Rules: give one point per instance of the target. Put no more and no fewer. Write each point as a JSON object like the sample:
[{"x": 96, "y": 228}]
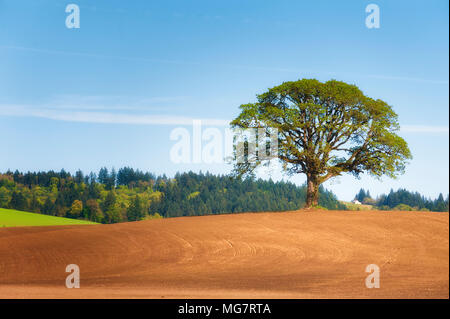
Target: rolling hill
[{"x": 303, "y": 254}]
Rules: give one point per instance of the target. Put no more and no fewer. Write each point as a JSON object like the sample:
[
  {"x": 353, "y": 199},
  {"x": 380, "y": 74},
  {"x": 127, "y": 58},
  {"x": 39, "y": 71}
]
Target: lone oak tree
[{"x": 325, "y": 130}]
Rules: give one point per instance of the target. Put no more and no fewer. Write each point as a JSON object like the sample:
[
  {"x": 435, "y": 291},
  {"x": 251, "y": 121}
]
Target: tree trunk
[{"x": 312, "y": 191}]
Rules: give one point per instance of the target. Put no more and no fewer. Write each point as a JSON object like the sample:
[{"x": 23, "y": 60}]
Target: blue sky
[{"x": 110, "y": 93}]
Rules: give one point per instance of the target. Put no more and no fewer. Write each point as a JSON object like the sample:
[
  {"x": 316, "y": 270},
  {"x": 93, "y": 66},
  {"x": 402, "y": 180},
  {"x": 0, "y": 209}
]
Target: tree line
[
  {"x": 111, "y": 196},
  {"x": 199, "y": 194},
  {"x": 403, "y": 199}
]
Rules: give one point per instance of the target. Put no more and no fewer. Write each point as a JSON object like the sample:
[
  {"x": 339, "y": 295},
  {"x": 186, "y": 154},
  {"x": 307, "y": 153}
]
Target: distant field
[
  {"x": 351, "y": 206},
  {"x": 11, "y": 218}
]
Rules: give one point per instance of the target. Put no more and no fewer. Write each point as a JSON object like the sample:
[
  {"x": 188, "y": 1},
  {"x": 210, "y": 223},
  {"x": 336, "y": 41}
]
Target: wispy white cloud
[
  {"x": 93, "y": 115},
  {"x": 103, "y": 117},
  {"x": 235, "y": 66}
]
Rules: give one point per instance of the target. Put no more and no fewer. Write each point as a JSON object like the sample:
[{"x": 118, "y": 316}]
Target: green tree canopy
[
  {"x": 325, "y": 130},
  {"x": 136, "y": 211},
  {"x": 76, "y": 208}
]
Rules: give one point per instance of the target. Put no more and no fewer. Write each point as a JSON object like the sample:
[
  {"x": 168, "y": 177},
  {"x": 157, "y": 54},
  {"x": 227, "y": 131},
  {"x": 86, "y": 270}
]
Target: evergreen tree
[
  {"x": 109, "y": 201},
  {"x": 18, "y": 201},
  {"x": 49, "y": 207},
  {"x": 35, "y": 206},
  {"x": 361, "y": 195},
  {"x": 103, "y": 176}
]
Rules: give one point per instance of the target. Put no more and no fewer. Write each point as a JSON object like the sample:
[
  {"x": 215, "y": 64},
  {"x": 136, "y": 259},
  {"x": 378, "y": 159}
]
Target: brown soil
[{"x": 304, "y": 254}]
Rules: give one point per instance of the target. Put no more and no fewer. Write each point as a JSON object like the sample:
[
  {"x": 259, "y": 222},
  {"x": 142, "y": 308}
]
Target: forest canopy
[
  {"x": 403, "y": 199},
  {"x": 129, "y": 195},
  {"x": 111, "y": 196}
]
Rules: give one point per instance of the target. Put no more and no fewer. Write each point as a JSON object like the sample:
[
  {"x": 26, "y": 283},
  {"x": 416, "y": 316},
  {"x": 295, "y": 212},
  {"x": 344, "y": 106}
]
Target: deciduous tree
[{"x": 325, "y": 130}]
